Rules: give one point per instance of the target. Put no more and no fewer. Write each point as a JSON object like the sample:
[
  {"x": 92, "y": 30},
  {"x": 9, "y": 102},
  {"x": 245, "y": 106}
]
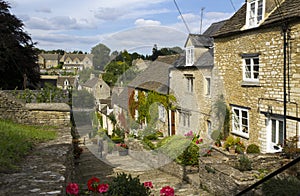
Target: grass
[{"x": 17, "y": 140}]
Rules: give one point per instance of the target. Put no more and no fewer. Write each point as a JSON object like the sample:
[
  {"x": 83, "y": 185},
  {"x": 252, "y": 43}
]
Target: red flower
[
  {"x": 102, "y": 188},
  {"x": 167, "y": 191},
  {"x": 72, "y": 189},
  {"x": 93, "y": 184},
  {"x": 148, "y": 184}
]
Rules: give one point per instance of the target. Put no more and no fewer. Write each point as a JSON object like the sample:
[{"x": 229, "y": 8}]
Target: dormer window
[
  {"x": 189, "y": 56},
  {"x": 255, "y": 12}
]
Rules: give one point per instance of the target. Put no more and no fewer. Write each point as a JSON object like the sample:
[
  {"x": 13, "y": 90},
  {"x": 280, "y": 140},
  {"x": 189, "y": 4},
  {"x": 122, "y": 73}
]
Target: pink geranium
[
  {"x": 167, "y": 191},
  {"x": 72, "y": 189},
  {"x": 102, "y": 188},
  {"x": 148, "y": 184}
]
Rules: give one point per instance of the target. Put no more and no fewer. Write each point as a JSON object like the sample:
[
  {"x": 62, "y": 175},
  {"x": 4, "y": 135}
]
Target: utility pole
[{"x": 202, "y": 9}]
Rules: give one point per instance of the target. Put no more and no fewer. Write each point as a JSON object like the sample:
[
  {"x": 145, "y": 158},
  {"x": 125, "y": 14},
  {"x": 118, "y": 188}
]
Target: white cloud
[
  {"x": 139, "y": 38},
  {"x": 143, "y": 22}
]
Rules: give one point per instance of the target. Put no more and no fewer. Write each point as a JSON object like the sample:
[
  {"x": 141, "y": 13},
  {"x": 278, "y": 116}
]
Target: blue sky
[{"x": 135, "y": 25}]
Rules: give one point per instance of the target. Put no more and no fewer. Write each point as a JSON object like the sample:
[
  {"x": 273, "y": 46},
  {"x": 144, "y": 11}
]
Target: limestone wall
[
  {"x": 52, "y": 114},
  {"x": 268, "y": 93}
]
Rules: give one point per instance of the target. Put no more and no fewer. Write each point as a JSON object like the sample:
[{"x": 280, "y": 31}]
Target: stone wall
[
  {"x": 49, "y": 166},
  {"x": 52, "y": 114},
  {"x": 268, "y": 92},
  {"x": 219, "y": 176}
]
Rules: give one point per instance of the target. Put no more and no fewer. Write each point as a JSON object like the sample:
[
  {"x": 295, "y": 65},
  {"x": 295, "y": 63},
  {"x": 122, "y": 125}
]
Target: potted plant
[{"x": 122, "y": 148}]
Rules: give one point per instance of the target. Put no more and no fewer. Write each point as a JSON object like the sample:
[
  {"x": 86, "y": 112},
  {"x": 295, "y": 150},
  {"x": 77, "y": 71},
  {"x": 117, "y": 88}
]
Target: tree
[
  {"x": 101, "y": 56},
  {"x": 18, "y": 57}
]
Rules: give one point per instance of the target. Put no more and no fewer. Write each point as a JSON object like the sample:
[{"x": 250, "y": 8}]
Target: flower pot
[
  {"x": 232, "y": 150},
  {"x": 123, "y": 152}
]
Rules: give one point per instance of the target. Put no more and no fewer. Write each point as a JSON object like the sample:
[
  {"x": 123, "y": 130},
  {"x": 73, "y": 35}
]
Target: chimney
[{"x": 92, "y": 76}]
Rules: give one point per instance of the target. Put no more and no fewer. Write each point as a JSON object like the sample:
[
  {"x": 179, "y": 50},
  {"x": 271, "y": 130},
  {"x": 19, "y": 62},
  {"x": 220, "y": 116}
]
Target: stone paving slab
[{"x": 92, "y": 164}]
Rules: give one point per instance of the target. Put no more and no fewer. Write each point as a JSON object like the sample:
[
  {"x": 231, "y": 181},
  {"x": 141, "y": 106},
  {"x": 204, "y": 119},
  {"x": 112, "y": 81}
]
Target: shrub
[
  {"x": 190, "y": 156},
  {"x": 244, "y": 163},
  {"x": 151, "y": 136},
  {"x": 148, "y": 144},
  {"x": 125, "y": 184},
  {"x": 253, "y": 148},
  {"x": 117, "y": 139}
]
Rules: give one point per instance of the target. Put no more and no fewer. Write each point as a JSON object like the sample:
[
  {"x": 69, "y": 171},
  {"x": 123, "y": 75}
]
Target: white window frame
[
  {"x": 240, "y": 122},
  {"x": 251, "y": 75},
  {"x": 207, "y": 86},
  {"x": 136, "y": 95},
  {"x": 161, "y": 113},
  {"x": 276, "y": 130},
  {"x": 185, "y": 118},
  {"x": 255, "y": 13},
  {"x": 190, "y": 56},
  {"x": 190, "y": 82}
]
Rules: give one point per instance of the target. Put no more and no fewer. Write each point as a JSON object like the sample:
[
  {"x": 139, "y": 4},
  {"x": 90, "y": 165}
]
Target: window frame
[
  {"x": 238, "y": 130},
  {"x": 185, "y": 118},
  {"x": 190, "y": 82},
  {"x": 207, "y": 86},
  {"x": 255, "y": 13},
  {"x": 252, "y": 64},
  {"x": 277, "y": 131},
  {"x": 189, "y": 55}
]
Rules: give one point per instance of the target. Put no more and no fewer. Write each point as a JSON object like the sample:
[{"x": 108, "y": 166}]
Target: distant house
[
  {"x": 98, "y": 87},
  {"x": 259, "y": 78},
  {"x": 194, "y": 83},
  {"x": 66, "y": 82},
  {"x": 77, "y": 61},
  {"x": 48, "y": 61},
  {"x": 62, "y": 82},
  {"x": 69, "y": 62}
]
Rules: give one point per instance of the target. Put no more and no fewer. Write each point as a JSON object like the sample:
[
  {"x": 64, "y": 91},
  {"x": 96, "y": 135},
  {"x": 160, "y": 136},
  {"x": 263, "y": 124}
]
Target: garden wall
[
  {"x": 219, "y": 176},
  {"x": 53, "y": 114}
]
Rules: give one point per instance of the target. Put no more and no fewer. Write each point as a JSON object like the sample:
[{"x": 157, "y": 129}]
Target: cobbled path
[{"x": 91, "y": 164}]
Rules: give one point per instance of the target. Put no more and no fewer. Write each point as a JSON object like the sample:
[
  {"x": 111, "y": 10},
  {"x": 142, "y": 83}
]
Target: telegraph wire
[
  {"x": 232, "y": 5},
  {"x": 186, "y": 26}
]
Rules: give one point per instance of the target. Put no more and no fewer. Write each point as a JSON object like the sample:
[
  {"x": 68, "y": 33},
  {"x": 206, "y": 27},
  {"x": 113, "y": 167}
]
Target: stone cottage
[
  {"x": 257, "y": 55},
  {"x": 153, "y": 80},
  {"x": 194, "y": 84}
]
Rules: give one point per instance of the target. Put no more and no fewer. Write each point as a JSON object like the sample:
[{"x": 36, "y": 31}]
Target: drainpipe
[{"x": 284, "y": 29}]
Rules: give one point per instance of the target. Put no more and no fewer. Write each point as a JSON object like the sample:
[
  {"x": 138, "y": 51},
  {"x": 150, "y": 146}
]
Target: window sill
[
  {"x": 243, "y": 135},
  {"x": 250, "y": 84}
]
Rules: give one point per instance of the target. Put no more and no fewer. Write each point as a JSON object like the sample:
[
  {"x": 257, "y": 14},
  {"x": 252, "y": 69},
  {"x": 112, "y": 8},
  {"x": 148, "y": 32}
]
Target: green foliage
[
  {"x": 173, "y": 146},
  {"x": 281, "y": 186},
  {"x": 290, "y": 148},
  {"x": 190, "y": 156},
  {"x": 113, "y": 71},
  {"x": 125, "y": 184},
  {"x": 244, "y": 163},
  {"x": 117, "y": 139},
  {"x": 17, "y": 140},
  {"x": 101, "y": 56},
  {"x": 49, "y": 94},
  {"x": 152, "y": 136},
  {"x": 232, "y": 142},
  {"x": 148, "y": 144},
  {"x": 85, "y": 74},
  {"x": 18, "y": 56},
  {"x": 112, "y": 118},
  {"x": 253, "y": 148}
]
